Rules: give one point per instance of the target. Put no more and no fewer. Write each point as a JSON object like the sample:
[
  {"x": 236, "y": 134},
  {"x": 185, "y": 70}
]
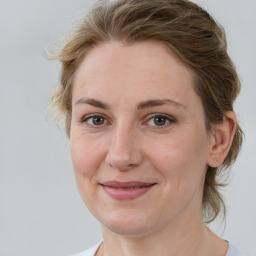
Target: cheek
[
  {"x": 85, "y": 152},
  {"x": 86, "y": 158},
  {"x": 181, "y": 159},
  {"x": 181, "y": 163}
]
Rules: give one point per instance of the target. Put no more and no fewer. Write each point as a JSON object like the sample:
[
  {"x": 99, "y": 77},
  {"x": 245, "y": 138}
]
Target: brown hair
[{"x": 192, "y": 34}]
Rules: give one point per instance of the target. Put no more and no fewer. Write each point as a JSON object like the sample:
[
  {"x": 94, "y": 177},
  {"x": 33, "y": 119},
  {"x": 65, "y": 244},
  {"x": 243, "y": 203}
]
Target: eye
[
  {"x": 94, "y": 120},
  {"x": 160, "y": 120}
]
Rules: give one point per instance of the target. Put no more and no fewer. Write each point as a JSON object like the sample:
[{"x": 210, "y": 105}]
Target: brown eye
[
  {"x": 98, "y": 120},
  {"x": 160, "y": 120},
  {"x": 94, "y": 120}
]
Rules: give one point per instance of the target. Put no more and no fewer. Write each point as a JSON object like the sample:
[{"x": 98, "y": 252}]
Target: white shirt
[{"x": 232, "y": 251}]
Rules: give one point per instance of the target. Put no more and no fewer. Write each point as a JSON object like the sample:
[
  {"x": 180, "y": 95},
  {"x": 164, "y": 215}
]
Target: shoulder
[
  {"x": 89, "y": 252},
  {"x": 233, "y": 251}
]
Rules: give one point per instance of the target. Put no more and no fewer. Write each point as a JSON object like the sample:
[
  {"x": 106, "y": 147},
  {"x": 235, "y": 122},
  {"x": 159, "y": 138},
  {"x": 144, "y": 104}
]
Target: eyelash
[
  {"x": 170, "y": 120},
  {"x": 166, "y": 118},
  {"x": 86, "y": 119}
]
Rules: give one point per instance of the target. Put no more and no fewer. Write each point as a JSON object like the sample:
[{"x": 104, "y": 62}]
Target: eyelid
[
  {"x": 85, "y": 118},
  {"x": 169, "y": 118}
]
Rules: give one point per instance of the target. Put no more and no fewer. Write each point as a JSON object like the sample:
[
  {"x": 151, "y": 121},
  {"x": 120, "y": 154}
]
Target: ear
[{"x": 221, "y": 140}]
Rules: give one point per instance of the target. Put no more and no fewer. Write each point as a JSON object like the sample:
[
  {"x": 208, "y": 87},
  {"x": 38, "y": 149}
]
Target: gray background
[{"x": 41, "y": 212}]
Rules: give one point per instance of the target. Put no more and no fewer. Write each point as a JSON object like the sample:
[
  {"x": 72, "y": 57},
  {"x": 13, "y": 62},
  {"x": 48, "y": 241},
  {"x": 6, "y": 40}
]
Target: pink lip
[{"x": 126, "y": 190}]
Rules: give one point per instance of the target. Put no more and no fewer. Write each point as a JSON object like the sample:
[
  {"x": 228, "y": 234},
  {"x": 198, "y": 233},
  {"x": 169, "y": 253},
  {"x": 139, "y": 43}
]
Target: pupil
[
  {"x": 160, "y": 120},
  {"x": 98, "y": 120}
]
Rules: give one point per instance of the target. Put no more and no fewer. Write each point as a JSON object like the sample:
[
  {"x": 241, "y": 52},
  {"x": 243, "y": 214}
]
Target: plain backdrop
[{"x": 41, "y": 212}]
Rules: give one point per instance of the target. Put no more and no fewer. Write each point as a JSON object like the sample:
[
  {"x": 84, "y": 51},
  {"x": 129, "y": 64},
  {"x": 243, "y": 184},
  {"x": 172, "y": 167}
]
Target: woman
[{"x": 147, "y": 91}]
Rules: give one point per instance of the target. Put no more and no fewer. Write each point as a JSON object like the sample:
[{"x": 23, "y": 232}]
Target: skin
[{"x": 149, "y": 127}]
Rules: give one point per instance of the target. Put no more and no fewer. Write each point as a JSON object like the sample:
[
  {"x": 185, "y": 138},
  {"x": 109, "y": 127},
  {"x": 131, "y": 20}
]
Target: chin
[{"x": 127, "y": 223}]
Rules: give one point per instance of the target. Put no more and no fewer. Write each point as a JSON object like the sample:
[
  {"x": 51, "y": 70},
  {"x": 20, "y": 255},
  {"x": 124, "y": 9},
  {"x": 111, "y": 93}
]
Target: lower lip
[{"x": 126, "y": 193}]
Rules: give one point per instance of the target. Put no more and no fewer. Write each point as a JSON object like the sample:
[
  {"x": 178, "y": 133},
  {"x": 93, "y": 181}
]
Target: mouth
[{"x": 126, "y": 190}]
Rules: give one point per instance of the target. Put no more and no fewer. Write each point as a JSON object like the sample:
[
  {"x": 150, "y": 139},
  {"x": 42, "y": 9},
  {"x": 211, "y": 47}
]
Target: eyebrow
[
  {"x": 142, "y": 105},
  {"x": 93, "y": 102},
  {"x": 159, "y": 102}
]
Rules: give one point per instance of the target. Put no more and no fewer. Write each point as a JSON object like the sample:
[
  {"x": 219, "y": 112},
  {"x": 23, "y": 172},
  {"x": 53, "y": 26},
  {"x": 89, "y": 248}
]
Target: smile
[{"x": 126, "y": 190}]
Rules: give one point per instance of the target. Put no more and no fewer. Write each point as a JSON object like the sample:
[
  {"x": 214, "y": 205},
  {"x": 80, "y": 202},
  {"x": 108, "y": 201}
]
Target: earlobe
[{"x": 222, "y": 138}]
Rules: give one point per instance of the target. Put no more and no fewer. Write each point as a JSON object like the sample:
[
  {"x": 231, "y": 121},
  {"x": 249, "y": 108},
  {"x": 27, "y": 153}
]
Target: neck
[{"x": 190, "y": 238}]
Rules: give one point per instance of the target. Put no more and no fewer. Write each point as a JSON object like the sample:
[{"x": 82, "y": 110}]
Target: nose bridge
[
  {"x": 124, "y": 151},
  {"x": 122, "y": 137}
]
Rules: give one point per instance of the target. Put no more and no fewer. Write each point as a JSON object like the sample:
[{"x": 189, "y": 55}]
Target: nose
[{"x": 124, "y": 150}]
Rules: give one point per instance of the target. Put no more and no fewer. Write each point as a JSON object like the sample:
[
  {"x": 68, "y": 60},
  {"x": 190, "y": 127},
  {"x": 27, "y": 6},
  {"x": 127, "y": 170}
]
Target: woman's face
[{"x": 138, "y": 139}]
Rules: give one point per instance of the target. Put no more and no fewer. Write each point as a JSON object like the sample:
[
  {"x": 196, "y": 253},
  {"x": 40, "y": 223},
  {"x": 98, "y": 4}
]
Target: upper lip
[{"x": 129, "y": 184}]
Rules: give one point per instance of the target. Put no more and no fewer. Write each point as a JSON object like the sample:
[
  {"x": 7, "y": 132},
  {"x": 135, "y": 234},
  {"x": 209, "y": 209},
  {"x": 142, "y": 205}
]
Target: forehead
[{"x": 145, "y": 69}]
